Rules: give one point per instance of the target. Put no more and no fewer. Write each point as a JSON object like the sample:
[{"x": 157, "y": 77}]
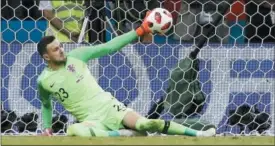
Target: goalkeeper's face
[{"x": 55, "y": 52}]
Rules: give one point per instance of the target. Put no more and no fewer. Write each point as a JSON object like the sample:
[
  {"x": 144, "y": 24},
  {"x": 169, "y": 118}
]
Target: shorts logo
[{"x": 52, "y": 84}]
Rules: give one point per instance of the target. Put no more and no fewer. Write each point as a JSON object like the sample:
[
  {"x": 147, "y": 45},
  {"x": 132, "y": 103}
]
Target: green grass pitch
[{"x": 152, "y": 140}]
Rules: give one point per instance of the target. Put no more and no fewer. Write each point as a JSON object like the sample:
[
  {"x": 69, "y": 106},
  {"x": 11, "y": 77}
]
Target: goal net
[{"x": 234, "y": 71}]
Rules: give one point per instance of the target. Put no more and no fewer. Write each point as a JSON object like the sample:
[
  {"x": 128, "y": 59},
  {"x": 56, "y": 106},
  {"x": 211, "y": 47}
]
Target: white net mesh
[{"x": 236, "y": 70}]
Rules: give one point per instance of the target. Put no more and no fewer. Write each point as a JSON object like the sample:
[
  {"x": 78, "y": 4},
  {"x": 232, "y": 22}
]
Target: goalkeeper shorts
[{"x": 109, "y": 118}]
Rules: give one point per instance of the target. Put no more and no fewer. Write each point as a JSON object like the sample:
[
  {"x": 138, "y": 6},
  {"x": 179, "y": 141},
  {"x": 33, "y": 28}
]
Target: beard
[{"x": 59, "y": 62}]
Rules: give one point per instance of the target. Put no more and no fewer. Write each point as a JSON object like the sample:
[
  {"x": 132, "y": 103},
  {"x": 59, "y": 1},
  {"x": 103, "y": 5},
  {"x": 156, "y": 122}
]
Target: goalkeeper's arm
[
  {"x": 116, "y": 44},
  {"x": 46, "y": 110}
]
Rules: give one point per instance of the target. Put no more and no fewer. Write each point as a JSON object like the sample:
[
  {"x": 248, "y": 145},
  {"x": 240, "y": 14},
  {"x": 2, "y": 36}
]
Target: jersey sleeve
[
  {"x": 116, "y": 44},
  {"x": 46, "y": 106}
]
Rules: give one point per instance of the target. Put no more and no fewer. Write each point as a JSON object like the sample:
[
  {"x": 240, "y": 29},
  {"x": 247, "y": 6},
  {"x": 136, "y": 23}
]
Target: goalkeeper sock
[
  {"x": 79, "y": 129},
  {"x": 175, "y": 128},
  {"x": 166, "y": 127}
]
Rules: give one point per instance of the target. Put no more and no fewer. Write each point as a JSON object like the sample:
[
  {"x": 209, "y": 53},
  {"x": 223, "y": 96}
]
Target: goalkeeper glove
[
  {"x": 144, "y": 28},
  {"x": 47, "y": 132}
]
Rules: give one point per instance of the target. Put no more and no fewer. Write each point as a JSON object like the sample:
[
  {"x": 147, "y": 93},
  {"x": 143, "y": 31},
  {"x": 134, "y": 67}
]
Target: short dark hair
[{"x": 42, "y": 45}]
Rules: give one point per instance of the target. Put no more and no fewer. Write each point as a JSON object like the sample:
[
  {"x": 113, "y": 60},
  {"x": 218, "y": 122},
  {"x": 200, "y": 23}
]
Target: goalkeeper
[{"x": 69, "y": 80}]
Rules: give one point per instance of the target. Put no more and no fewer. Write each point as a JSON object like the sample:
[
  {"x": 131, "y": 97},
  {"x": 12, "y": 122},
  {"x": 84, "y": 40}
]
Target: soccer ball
[{"x": 160, "y": 20}]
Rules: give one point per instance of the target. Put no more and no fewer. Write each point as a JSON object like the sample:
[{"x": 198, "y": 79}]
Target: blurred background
[{"x": 249, "y": 20}]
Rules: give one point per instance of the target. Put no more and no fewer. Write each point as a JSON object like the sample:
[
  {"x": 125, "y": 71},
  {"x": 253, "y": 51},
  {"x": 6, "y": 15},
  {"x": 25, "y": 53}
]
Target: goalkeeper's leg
[
  {"x": 135, "y": 121},
  {"x": 87, "y": 130},
  {"x": 82, "y": 130}
]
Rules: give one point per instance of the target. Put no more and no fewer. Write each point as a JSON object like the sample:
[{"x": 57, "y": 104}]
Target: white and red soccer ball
[{"x": 160, "y": 20}]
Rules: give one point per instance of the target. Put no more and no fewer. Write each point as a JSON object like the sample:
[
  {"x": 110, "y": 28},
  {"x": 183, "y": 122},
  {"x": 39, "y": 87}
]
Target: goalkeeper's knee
[
  {"x": 79, "y": 129},
  {"x": 150, "y": 125}
]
